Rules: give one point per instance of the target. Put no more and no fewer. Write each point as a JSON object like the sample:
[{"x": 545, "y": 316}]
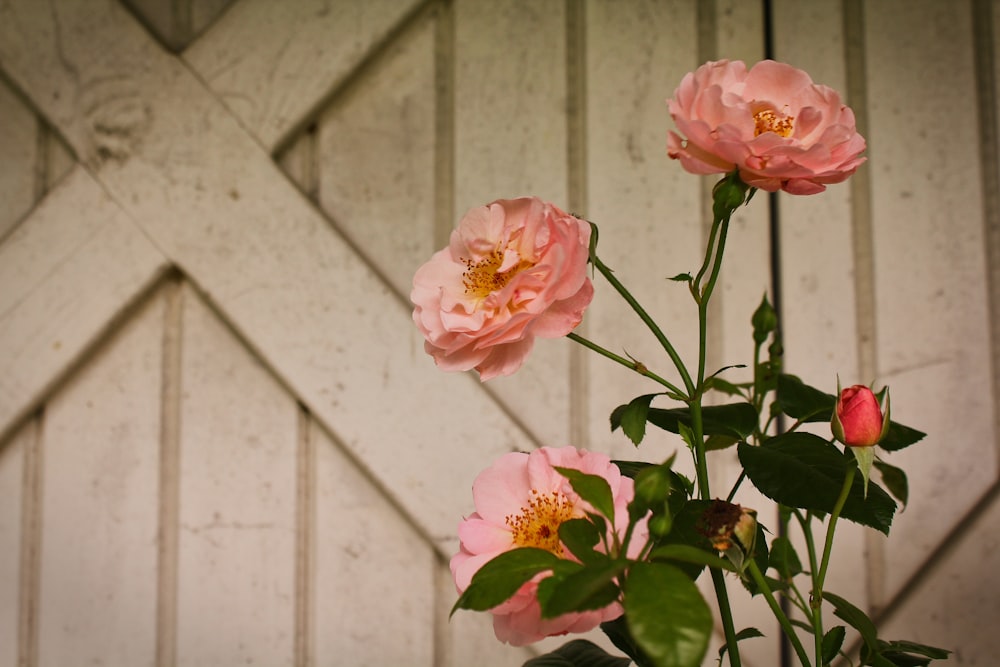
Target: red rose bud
[
  {"x": 859, "y": 423},
  {"x": 858, "y": 420}
]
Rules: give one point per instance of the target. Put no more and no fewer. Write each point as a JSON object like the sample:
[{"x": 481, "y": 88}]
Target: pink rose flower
[
  {"x": 514, "y": 270},
  {"x": 520, "y": 502},
  {"x": 781, "y": 130},
  {"x": 858, "y": 420}
]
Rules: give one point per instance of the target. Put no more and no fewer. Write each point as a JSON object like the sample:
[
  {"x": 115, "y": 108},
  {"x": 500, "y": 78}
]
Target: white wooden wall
[{"x": 220, "y": 439}]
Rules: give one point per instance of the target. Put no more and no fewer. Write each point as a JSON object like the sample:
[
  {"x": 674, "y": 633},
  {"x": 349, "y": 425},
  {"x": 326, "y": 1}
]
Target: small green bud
[
  {"x": 764, "y": 321},
  {"x": 660, "y": 524}
]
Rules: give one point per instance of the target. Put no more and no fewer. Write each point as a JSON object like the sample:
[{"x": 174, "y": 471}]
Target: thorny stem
[
  {"x": 624, "y": 361},
  {"x": 648, "y": 321}
]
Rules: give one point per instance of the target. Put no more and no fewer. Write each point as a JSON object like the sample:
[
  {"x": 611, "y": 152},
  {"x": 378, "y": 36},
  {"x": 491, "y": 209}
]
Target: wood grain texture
[
  {"x": 374, "y": 574},
  {"x": 65, "y": 274},
  {"x": 376, "y": 158},
  {"x": 11, "y": 491},
  {"x": 18, "y": 159},
  {"x": 215, "y": 203},
  {"x": 236, "y": 580},
  {"x": 99, "y": 504},
  {"x": 928, "y": 244},
  {"x": 273, "y": 63}
]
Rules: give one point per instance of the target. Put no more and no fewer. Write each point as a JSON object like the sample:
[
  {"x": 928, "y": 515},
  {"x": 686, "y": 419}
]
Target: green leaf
[
  {"x": 737, "y": 420},
  {"x": 800, "y": 401},
  {"x": 580, "y": 536},
  {"x": 617, "y": 631},
  {"x": 784, "y": 559},
  {"x": 717, "y": 442},
  {"x": 682, "y": 278},
  {"x": 632, "y": 417},
  {"x": 745, "y": 633},
  {"x": 724, "y": 386},
  {"x": 895, "y": 480},
  {"x": 578, "y": 653},
  {"x": 667, "y": 615},
  {"x": 832, "y": 641},
  {"x": 855, "y": 618},
  {"x": 591, "y": 587},
  {"x": 594, "y": 489},
  {"x": 690, "y": 554},
  {"x": 900, "y": 436},
  {"x": 900, "y": 646},
  {"x": 632, "y": 468},
  {"x": 500, "y": 578},
  {"x": 876, "y": 660},
  {"x": 802, "y": 470}
]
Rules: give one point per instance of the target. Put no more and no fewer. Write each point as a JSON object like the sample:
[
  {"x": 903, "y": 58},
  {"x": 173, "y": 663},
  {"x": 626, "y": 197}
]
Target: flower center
[
  {"x": 766, "y": 120},
  {"x": 538, "y": 524},
  {"x": 483, "y": 277}
]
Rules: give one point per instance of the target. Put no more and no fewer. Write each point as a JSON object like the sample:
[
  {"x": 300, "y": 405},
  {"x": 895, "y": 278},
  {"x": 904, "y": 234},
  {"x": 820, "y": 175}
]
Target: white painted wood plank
[
  {"x": 235, "y": 598},
  {"x": 510, "y": 140},
  {"x": 342, "y": 341},
  {"x": 64, "y": 274},
  {"x": 956, "y": 606},
  {"x": 374, "y": 574},
  {"x": 100, "y": 475},
  {"x": 376, "y": 158},
  {"x": 817, "y": 264},
  {"x": 272, "y": 63},
  {"x": 647, "y": 208},
  {"x": 933, "y": 347},
  {"x": 11, "y": 490},
  {"x": 321, "y": 317},
  {"x": 18, "y": 159}
]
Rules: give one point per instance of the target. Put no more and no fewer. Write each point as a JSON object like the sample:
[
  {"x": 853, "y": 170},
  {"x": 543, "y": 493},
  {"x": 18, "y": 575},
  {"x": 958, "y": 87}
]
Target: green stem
[
  {"x": 817, "y": 594},
  {"x": 648, "y": 321},
  {"x": 786, "y": 625},
  {"x": 624, "y": 361}
]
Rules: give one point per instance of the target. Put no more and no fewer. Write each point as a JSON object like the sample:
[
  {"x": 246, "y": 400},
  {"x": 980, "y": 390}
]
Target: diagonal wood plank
[
  {"x": 186, "y": 170},
  {"x": 53, "y": 305},
  {"x": 273, "y": 63}
]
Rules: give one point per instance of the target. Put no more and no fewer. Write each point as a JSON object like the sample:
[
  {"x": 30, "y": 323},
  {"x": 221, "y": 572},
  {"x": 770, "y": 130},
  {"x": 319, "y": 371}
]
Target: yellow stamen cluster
[
  {"x": 537, "y": 525},
  {"x": 481, "y": 278},
  {"x": 767, "y": 121}
]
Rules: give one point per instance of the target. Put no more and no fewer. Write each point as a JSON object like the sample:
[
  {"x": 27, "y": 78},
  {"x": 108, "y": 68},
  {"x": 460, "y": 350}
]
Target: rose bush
[
  {"x": 514, "y": 269},
  {"x": 858, "y": 420},
  {"x": 521, "y": 500},
  {"x": 781, "y": 130}
]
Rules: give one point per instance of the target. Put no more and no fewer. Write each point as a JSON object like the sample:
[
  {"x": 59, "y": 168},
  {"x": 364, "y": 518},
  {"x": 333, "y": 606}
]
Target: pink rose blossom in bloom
[
  {"x": 521, "y": 500},
  {"x": 857, "y": 419},
  {"x": 781, "y": 130},
  {"x": 515, "y": 269}
]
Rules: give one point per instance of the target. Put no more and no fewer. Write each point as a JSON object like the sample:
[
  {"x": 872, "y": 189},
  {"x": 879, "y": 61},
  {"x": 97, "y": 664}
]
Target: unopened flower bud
[{"x": 858, "y": 420}]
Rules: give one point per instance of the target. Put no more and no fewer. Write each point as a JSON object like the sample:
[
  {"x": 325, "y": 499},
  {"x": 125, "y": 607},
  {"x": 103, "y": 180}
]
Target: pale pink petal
[{"x": 715, "y": 110}]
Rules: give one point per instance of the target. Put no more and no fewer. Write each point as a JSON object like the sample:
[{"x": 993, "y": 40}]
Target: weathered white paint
[
  {"x": 99, "y": 472},
  {"x": 64, "y": 277},
  {"x": 288, "y": 348},
  {"x": 272, "y": 63}
]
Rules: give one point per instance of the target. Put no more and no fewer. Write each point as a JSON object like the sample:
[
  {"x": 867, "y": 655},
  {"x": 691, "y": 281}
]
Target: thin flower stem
[
  {"x": 713, "y": 256},
  {"x": 817, "y": 593},
  {"x": 736, "y": 486},
  {"x": 710, "y": 246},
  {"x": 786, "y": 625},
  {"x": 648, "y": 321},
  {"x": 624, "y": 361}
]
